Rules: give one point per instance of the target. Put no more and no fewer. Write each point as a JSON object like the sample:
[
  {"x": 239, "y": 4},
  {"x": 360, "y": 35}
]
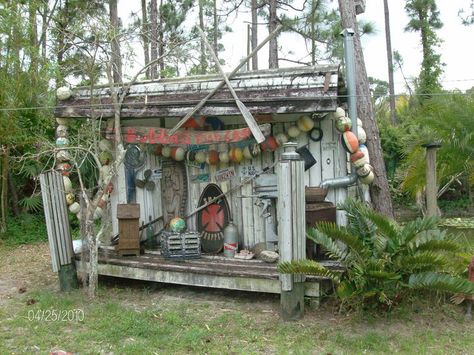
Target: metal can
[{"x": 231, "y": 240}]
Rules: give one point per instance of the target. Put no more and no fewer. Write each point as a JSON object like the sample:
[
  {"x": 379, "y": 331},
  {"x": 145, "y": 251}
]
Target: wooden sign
[
  {"x": 157, "y": 135},
  {"x": 225, "y": 174},
  {"x": 173, "y": 190}
]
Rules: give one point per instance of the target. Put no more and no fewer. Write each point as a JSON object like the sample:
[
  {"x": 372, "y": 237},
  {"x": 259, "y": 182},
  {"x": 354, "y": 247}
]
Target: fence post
[
  {"x": 431, "y": 183},
  {"x": 291, "y": 229}
]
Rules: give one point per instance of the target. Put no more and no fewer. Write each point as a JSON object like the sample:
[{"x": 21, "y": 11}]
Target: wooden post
[
  {"x": 431, "y": 183},
  {"x": 291, "y": 229}
]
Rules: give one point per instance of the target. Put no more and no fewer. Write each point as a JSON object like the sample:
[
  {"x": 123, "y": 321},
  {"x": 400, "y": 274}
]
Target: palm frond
[
  {"x": 383, "y": 275},
  {"x": 423, "y": 261},
  {"x": 32, "y": 203},
  {"x": 441, "y": 282},
  {"x": 346, "y": 289},
  {"x": 306, "y": 267},
  {"x": 333, "y": 250},
  {"x": 439, "y": 245},
  {"x": 385, "y": 226},
  {"x": 341, "y": 234},
  {"x": 413, "y": 228}
]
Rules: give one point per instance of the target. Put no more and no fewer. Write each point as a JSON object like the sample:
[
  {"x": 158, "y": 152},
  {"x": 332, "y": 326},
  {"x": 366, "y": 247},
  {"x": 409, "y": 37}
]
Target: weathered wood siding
[{"x": 331, "y": 161}]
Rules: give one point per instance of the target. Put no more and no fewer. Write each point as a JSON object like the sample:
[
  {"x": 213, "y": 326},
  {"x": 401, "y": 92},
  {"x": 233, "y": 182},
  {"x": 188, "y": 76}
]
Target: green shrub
[
  {"x": 27, "y": 228},
  {"x": 385, "y": 261}
]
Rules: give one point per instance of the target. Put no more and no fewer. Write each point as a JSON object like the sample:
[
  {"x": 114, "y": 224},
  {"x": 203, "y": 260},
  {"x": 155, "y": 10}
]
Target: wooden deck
[{"x": 207, "y": 271}]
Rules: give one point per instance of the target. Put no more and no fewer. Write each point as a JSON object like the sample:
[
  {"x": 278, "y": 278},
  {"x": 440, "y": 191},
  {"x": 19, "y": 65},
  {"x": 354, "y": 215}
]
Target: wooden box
[
  {"x": 128, "y": 216},
  {"x": 318, "y": 212}
]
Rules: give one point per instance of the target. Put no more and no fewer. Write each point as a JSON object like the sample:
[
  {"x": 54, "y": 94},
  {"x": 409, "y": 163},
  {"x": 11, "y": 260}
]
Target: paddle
[{"x": 222, "y": 83}]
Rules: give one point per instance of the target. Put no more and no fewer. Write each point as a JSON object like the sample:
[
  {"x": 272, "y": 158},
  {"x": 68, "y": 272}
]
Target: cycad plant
[{"x": 383, "y": 260}]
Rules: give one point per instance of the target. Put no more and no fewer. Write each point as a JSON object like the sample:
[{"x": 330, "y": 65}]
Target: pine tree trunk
[
  {"x": 272, "y": 25},
  {"x": 379, "y": 190},
  {"x": 154, "y": 38},
  {"x": 215, "y": 32},
  {"x": 4, "y": 188},
  {"x": 202, "y": 60},
  {"x": 254, "y": 39},
  {"x": 145, "y": 38},
  {"x": 161, "y": 44},
  {"x": 391, "y": 85},
  {"x": 115, "y": 43}
]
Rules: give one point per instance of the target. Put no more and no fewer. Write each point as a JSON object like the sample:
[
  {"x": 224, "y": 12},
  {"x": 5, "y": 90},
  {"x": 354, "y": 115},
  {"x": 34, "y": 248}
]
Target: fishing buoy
[
  {"x": 305, "y": 124},
  {"x": 359, "y": 122},
  {"x": 67, "y": 184},
  {"x": 281, "y": 138},
  {"x": 105, "y": 145},
  {"x": 62, "y": 142},
  {"x": 363, "y": 149},
  {"x": 364, "y": 170},
  {"x": 75, "y": 208},
  {"x": 98, "y": 213},
  {"x": 63, "y": 156},
  {"x": 157, "y": 150},
  {"x": 177, "y": 225},
  {"x": 177, "y": 153},
  {"x": 166, "y": 151},
  {"x": 64, "y": 168},
  {"x": 61, "y": 131},
  {"x": 70, "y": 198},
  {"x": 367, "y": 180},
  {"x": 224, "y": 157},
  {"x": 340, "y": 112},
  {"x": 62, "y": 121},
  {"x": 343, "y": 124},
  {"x": 63, "y": 93},
  {"x": 358, "y": 159},
  {"x": 105, "y": 173},
  {"x": 109, "y": 188},
  {"x": 361, "y": 135},
  {"x": 247, "y": 154},
  {"x": 350, "y": 142},
  {"x": 236, "y": 155},
  {"x": 293, "y": 132},
  {"x": 269, "y": 145},
  {"x": 212, "y": 157},
  {"x": 200, "y": 157},
  {"x": 105, "y": 157}
]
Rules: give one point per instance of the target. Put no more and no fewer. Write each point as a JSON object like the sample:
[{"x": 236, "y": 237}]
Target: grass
[{"x": 24, "y": 229}]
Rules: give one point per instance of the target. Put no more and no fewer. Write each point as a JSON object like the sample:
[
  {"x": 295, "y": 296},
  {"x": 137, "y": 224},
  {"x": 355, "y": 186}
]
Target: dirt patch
[{"x": 23, "y": 268}]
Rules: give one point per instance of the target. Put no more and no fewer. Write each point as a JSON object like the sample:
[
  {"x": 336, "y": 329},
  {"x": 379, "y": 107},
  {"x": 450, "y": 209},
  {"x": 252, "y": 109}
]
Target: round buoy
[
  {"x": 212, "y": 157},
  {"x": 224, "y": 157},
  {"x": 64, "y": 168},
  {"x": 200, "y": 157},
  {"x": 281, "y": 138},
  {"x": 62, "y": 121},
  {"x": 177, "y": 153},
  {"x": 61, "y": 131},
  {"x": 367, "y": 180},
  {"x": 104, "y": 173},
  {"x": 364, "y": 170},
  {"x": 98, "y": 213},
  {"x": 305, "y": 124},
  {"x": 63, "y": 156},
  {"x": 166, "y": 151},
  {"x": 157, "y": 150},
  {"x": 177, "y": 225},
  {"x": 294, "y": 132},
  {"x": 359, "y": 122},
  {"x": 350, "y": 142},
  {"x": 340, "y": 112},
  {"x": 70, "y": 198},
  {"x": 358, "y": 159},
  {"x": 363, "y": 149},
  {"x": 63, "y": 93},
  {"x": 236, "y": 155},
  {"x": 74, "y": 208},
  {"x": 343, "y": 124},
  {"x": 246, "y": 152},
  {"x": 361, "y": 135},
  {"x": 269, "y": 145},
  {"x": 62, "y": 142}
]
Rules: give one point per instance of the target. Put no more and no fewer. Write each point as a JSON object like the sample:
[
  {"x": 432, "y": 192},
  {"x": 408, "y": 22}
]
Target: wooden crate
[
  {"x": 318, "y": 212},
  {"x": 128, "y": 216}
]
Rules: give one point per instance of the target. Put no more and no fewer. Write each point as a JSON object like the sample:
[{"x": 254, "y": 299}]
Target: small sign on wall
[
  {"x": 199, "y": 178},
  {"x": 225, "y": 174},
  {"x": 248, "y": 170}
]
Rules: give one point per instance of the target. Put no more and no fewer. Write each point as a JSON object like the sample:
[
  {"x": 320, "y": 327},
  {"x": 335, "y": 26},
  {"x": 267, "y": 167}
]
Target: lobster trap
[{"x": 180, "y": 246}]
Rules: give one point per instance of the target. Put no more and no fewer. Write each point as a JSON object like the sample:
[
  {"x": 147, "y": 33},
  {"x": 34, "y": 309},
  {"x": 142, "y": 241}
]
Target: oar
[
  {"x": 257, "y": 133},
  {"x": 222, "y": 83}
]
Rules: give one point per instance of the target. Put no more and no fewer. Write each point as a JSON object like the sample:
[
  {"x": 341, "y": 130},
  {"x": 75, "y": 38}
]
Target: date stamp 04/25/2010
[{"x": 56, "y": 315}]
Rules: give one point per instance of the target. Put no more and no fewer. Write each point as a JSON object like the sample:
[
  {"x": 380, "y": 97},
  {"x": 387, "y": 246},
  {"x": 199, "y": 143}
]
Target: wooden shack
[{"x": 277, "y": 98}]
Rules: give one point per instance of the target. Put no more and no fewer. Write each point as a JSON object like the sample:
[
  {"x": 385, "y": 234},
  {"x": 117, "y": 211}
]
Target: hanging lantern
[
  {"x": 269, "y": 145},
  {"x": 361, "y": 135},
  {"x": 166, "y": 151},
  {"x": 281, "y": 138},
  {"x": 358, "y": 159},
  {"x": 200, "y": 157},
  {"x": 305, "y": 124},
  {"x": 343, "y": 124},
  {"x": 350, "y": 142},
  {"x": 212, "y": 157},
  {"x": 236, "y": 155},
  {"x": 294, "y": 132},
  {"x": 177, "y": 153}
]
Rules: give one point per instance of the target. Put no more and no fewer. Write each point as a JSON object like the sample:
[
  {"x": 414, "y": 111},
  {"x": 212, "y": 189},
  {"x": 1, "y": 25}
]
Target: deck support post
[
  {"x": 431, "y": 183},
  {"x": 291, "y": 229}
]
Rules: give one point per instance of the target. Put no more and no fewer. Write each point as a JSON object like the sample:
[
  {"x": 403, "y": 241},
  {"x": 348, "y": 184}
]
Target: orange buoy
[{"x": 350, "y": 142}]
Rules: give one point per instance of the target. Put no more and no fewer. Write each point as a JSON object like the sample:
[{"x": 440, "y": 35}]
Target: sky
[{"x": 457, "y": 51}]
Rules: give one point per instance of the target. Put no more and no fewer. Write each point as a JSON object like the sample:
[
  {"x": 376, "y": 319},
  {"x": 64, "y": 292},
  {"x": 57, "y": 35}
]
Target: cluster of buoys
[
  {"x": 355, "y": 145},
  {"x": 63, "y": 166}
]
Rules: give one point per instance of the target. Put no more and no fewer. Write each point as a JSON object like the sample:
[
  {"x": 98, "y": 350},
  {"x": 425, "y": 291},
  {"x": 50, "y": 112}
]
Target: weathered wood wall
[{"x": 330, "y": 162}]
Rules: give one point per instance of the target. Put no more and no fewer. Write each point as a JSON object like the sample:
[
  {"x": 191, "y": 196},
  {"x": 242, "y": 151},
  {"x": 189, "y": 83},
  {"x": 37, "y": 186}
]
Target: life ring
[{"x": 320, "y": 134}]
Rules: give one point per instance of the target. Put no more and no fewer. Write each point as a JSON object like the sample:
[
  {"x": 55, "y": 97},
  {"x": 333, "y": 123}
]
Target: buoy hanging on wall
[
  {"x": 305, "y": 124},
  {"x": 350, "y": 142}
]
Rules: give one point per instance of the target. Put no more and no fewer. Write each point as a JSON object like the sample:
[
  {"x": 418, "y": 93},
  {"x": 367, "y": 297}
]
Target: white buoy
[{"x": 63, "y": 93}]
